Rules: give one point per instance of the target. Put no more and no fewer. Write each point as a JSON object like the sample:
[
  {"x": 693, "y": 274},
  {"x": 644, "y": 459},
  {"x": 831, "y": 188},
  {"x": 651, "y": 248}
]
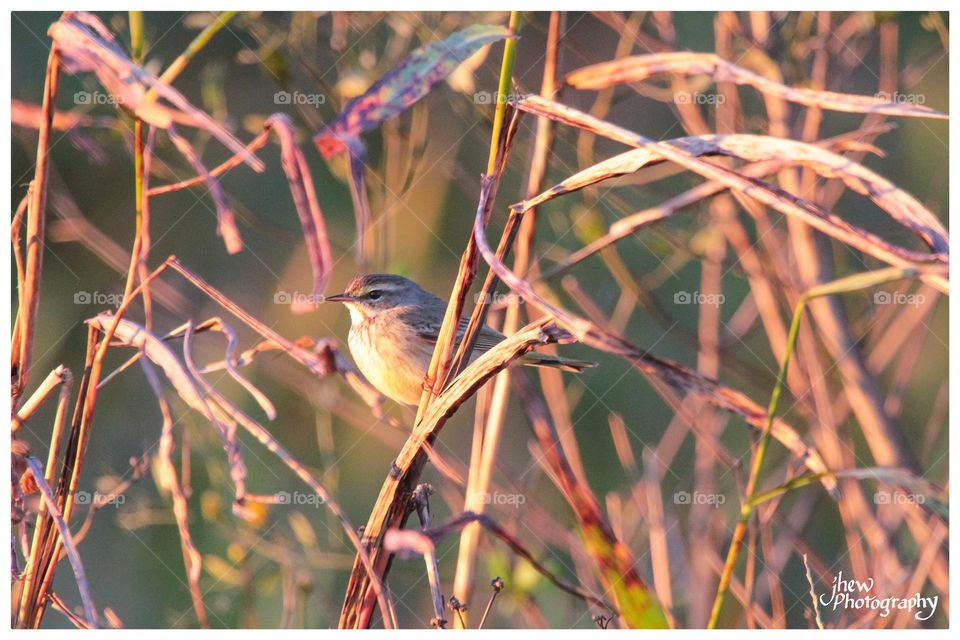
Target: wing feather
[{"x": 486, "y": 339}]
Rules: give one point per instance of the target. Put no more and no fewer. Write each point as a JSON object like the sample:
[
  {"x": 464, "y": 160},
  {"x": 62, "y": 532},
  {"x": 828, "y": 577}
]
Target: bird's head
[{"x": 369, "y": 295}]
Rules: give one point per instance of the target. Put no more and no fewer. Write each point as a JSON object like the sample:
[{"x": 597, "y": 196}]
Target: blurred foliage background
[{"x": 423, "y": 177}]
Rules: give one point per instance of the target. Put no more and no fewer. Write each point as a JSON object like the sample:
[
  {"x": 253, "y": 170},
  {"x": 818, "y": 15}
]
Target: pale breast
[{"x": 393, "y": 358}]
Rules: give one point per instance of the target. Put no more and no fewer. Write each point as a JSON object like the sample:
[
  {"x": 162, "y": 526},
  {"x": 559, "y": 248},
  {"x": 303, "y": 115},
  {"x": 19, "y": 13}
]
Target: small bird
[{"x": 394, "y": 329}]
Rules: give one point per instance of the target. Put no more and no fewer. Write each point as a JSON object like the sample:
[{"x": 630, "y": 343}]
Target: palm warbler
[{"x": 394, "y": 329}]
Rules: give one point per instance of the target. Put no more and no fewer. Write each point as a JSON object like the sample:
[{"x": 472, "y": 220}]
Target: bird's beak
[{"x": 340, "y": 297}]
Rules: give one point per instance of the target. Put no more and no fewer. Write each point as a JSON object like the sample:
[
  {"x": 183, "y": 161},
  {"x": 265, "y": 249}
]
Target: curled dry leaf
[
  {"x": 227, "y": 429},
  {"x": 768, "y": 194},
  {"x": 404, "y": 85},
  {"x": 226, "y": 224},
  {"x": 133, "y": 335},
  {"x": 86, "y": 45},
  {"x": 396, "y": 91},
  {"x": 305, "y": 201},
  {"x": 671, "y": 372},
  {"x": 687, "y": 63},
  {"x": 190, "y": 390},
  {"x": 407, "y": 543},
  {"x": 627, "y": 163},
  {"x": 231, "y": 362},
  {"x": 775, "y": 153},
  {"x": 901, "y": 206}
]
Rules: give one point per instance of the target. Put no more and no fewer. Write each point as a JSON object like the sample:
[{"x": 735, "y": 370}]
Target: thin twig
[
  {"x": 851, "y": 283},
  {"x": 22, "y": 344},
  {"x": 497, "y": 585},
  {"x": 813, "y": 594},
  {"x": 198, "y": 43},
  {"x": 89, "y": 609}
]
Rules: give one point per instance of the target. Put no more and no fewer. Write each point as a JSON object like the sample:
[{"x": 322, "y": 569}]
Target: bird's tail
[{"x": 564, "y": 364}]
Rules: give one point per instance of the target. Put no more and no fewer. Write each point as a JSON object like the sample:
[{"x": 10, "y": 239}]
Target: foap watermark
[
  {"x": 695, "y": 297},
  {"x": 857, "y": 595},
  {"x": 506, "y": 499},
  {"x": 698, "y": 497},
  {"x": 98, "y": 298},
  {"x": 298, "y": 498},
  {"x": 496, "y": 298},
  {"x": 93, "y": 98},
  {"x": 299, "y": 98},
  {"x": 685, "y": 97},
  {"x": 898, "y": 297},
  {"x": 494, "y": 97},
  {"x": 898, "y": 497},
  {"x": 901, "y": 98},
  {"x": 297, "y": 298},
  {"x": 99, "y": 500}
]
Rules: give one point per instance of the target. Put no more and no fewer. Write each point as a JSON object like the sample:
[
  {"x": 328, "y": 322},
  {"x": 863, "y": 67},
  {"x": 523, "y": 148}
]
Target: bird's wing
[{"x": 487, "y": 338}]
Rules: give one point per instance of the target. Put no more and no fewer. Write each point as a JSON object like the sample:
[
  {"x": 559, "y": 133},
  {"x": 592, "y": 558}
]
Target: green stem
[
  {"x": 136, "y": 36},
  {"x": 842, "y": 285},
  {"x": 506, "y": 77},
  {"x": 202, "y": 39},
  {"x": 136, "y": 54}
]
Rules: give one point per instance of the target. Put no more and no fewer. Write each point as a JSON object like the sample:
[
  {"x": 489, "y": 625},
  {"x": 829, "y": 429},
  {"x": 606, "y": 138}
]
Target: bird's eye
[{"x": 375, "y": 295}]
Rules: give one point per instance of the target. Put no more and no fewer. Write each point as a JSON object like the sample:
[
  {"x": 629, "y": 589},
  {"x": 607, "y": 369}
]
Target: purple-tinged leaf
[
  {"x": 404, "y": 85},
  {"x": 305, "y": 200}
]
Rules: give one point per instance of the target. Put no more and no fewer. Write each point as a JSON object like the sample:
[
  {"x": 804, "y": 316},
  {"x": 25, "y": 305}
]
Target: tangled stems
[{"x": 842, "y": 285}]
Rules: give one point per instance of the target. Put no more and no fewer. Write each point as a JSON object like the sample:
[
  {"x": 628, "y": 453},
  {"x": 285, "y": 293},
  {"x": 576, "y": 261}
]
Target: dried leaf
[
  {"x": 407, "y": 543},
  {"x": 193, "y": 391},
  {"x": 901, "y": 206},
  {"x": 688, "y": 63},
  {"x": 670, "y": 372},
  {"x": 226, "y": 224},
  {"x": 86, "y": 45},
  {"x": 305, "y": 200},
  {"x": 230, "y": 363},
  {"x": 399, "y": 88},
  {"x": 768, "y": 194},
  {"x": 403, "y": 85}
]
